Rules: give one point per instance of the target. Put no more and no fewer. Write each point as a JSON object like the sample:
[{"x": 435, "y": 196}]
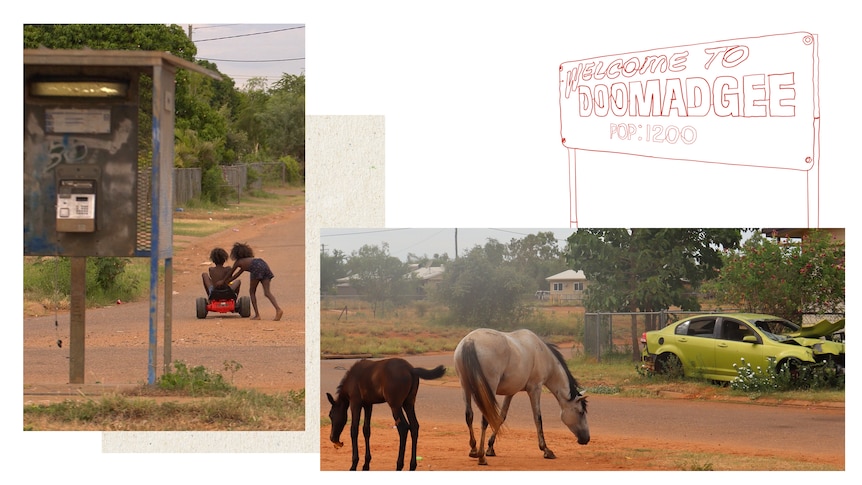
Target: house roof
[
  {"x": 419, "y": 273},
  {"x": 428, "y": 273},
  {"x": 568, "y": 274},
  {"x": 838, "y": 233}
]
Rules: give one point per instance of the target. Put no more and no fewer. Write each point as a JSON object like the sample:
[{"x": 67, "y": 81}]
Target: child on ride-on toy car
[
  {"x": 259, "y": 272},
  {"x": 219, "y": 272}
]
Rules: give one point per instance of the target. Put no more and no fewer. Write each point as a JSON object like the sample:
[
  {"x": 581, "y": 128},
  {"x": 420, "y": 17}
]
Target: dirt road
[
  {"x": 116, "y": 346},
  {"x": 627, "y": 434}
]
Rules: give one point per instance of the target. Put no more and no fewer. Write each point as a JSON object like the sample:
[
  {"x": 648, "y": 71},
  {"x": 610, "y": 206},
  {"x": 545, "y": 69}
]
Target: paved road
[{"x": 721, "y": 424}]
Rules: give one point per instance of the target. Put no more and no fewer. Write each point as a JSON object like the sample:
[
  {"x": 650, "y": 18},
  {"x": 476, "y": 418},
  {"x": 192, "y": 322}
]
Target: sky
[
  {"x": 245, "y": 50},
  {"x": 424, "y": 241}
]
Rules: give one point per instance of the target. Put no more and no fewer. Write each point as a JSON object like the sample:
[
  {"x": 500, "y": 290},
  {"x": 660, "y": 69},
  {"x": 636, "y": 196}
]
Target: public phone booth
[{"x": 86, "y": 193}]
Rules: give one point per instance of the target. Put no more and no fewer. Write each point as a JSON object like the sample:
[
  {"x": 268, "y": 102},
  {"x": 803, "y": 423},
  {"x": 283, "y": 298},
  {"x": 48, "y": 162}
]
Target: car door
[
  {"x": 730, "y": 349},
  {"x": 697, "y": 346}
]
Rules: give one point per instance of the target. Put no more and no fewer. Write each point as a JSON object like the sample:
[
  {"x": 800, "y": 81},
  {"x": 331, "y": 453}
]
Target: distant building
[
  {"x": 429, "y": 277},
  {"x": 567, "y": 286},
  {"x": 344, "y": 288},
  {"x": 799, "y": 233}
]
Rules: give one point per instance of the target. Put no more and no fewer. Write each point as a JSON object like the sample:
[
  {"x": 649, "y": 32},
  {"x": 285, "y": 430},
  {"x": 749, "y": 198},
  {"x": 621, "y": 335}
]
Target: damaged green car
[{"x": 710, "y": 346}]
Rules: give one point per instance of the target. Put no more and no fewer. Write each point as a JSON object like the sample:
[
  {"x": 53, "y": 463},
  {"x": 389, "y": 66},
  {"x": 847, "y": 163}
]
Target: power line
[
  {"x": 362, "y": 232},
  {"x": 251, "y": 34}
]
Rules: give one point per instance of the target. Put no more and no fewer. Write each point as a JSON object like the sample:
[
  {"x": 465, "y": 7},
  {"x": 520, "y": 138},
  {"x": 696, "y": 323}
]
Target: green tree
[
  {"x": 538, "y": 256},
  {"x": 144, "y": 37},
  {"x": 482, "y": 288},
  {"x": 379, "y": 277},
  {"x": 647, "y": 270},
  {"x": 784, "y": 278},
  {"x": 284, "y": 118},
  {"x": 248, "y": 120},
  {"x": 332, "y": 267}
]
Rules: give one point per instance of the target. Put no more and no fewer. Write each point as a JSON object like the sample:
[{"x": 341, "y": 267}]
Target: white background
[{"x": 469, "y": 95}]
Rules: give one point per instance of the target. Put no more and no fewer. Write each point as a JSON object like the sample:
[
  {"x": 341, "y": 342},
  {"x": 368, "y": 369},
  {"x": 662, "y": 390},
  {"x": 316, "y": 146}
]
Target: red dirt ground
[{"x": 272, "y": 354}]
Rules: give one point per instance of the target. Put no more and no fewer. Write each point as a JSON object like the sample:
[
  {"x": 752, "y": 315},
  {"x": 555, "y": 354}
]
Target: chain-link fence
[
  {"x": 619, "y": 333},
  {"x": 187, "y": 181}
]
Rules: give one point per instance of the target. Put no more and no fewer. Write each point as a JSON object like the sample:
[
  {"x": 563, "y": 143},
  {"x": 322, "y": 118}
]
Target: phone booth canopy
[{"x": 84, "y": 192}]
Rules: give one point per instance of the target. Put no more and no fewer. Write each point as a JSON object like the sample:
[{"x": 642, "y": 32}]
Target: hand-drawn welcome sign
[{"x": 749, "y": 101}]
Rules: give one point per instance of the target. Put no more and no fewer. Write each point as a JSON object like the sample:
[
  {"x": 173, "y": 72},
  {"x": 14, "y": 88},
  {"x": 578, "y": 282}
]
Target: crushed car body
[{"x": 712, "y": 345}]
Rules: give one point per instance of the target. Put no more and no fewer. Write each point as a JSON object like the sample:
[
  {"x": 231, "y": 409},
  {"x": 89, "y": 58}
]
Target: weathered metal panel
[{"x": 65, "y": 137}]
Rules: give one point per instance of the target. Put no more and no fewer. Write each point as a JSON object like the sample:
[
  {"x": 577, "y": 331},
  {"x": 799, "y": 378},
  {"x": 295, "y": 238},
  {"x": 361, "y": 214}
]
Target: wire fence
[
  {"x": 187, "y": 181},
  {"x": 619, "y": 333}
]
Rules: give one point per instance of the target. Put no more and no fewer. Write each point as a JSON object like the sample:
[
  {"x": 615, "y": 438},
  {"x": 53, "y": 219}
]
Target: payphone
[{"x": 76, "y": 199}]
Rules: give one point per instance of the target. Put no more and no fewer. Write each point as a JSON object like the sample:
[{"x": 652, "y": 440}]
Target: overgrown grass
[
  {"x": 350, "y": 329},
  {"x": 218, "y": 405},
  {"x": 199, "y": 218},
  {"x": 47, "y": 280},
  {"x": 198, "y": 380},
  {"x": 387, "y": 338}
]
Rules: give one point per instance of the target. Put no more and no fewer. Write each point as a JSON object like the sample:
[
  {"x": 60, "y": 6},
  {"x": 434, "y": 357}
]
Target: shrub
[
  {"x": 750, "y": 379},
  {"x": 108, "y": 279},
  {"x": 214, "y": 188},
  {"x": 292, "y": 169},
  {"x": 195, "y": 380},
  {"x": 786, "y": 377}
]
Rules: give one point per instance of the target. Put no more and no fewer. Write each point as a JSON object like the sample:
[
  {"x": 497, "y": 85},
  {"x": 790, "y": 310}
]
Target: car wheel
[
  {"x": 792, "y": 366},
  {"x": 244, "y": 306},
  {"x": 669, "y": 365},
  {"x": 201, "y": 307}
]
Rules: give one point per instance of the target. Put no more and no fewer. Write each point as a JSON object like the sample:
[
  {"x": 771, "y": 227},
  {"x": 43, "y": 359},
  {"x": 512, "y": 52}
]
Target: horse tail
[
  {"x": 479, "y": 387},
  {"x": 434, "y": 373}
]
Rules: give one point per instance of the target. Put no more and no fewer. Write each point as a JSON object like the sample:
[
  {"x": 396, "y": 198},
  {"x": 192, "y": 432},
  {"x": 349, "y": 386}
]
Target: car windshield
[{"x": 776, "y": 329}]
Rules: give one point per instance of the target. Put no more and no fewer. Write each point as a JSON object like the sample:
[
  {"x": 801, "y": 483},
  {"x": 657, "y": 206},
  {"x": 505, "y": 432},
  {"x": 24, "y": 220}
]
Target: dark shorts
[{"x": 259, "y": 270}]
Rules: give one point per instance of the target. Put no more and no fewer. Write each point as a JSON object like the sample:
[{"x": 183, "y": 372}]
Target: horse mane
[
  {"x": 338, "y": 395},
  {"x": 573, "y": 383}
]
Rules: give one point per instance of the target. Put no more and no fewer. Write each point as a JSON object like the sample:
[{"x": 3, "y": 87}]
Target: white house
[{"x": 567, "y": 286}]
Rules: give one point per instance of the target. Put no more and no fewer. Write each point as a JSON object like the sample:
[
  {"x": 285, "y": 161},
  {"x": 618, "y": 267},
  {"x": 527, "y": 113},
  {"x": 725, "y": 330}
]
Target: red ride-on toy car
[{"x": 223, "y": 300}]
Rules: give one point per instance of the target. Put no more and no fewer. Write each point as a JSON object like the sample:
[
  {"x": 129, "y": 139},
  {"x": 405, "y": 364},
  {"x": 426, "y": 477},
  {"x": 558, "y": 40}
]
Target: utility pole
[{"x": 456, "y": 243}]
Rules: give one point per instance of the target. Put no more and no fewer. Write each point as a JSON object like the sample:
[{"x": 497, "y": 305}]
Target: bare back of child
[
  {"x": 218, "y": 275},
  {"x": 259, "y": 273}
]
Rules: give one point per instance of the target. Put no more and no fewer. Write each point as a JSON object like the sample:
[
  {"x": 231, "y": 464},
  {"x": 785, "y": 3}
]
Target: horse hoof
[
  {"x": 490, "y": 453},
  {"x": 550, "y": 455},
  {"x": 483, "y": 461},
  {"x": 474, "y": 454}
]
